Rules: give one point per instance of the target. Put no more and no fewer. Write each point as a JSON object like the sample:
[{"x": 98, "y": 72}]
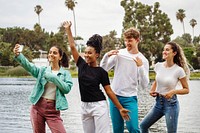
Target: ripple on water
[{"x": 14, "y": 108}]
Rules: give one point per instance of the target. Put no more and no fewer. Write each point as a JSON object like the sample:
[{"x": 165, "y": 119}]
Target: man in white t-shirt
[{"x": 131, "y": 68}]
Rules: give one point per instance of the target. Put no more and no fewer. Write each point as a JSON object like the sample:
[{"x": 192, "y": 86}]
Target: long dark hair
[
  {"x": 180, "y": 58},
  {"x": 96, "y": 42},
  {"x": 64, "y": 62}
]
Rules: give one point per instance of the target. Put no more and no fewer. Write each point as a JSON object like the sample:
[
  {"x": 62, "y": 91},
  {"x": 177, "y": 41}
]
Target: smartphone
[{"x": 21, "y": 48}]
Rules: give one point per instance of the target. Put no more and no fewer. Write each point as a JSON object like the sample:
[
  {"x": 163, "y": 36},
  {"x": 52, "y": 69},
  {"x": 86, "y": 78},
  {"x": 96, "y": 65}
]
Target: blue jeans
[
  {"x": 163, "y": 107},
  {"x": 131, "y": 104}
]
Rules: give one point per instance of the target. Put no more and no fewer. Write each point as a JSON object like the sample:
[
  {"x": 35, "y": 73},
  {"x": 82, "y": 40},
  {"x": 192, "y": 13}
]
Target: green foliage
[
  {"x": 3, "y": 71},
  {"x": 6, "y": 54},
  {"x": 74, "y": 73},
  {"x": 152, "y": 75},
  {"x": 195, "y": 62},
  {"x": 154, "y": 26},
  {"x": 187, "y": 37},
  {"x": 196, "y": 40},
  {"x": 110, "y": 42},
  {"x": 198, "y": 50},
  {"x": 195, "y": 75},
  {"x": 34, "y": 40},
  {"x": 181, "y": 41},
  {"x": 189, "y": 52},
  {"x": 17, "y": 71},
  {"x": 111, "y": 73}
]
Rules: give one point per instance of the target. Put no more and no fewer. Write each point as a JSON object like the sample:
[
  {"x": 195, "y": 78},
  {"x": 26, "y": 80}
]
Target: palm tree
[
  {"x": 193, "y": 22},
  {"x": 70, "y": 4},
  {"x": 38, "y": 10},
  {"x": 180, "y": 15}
]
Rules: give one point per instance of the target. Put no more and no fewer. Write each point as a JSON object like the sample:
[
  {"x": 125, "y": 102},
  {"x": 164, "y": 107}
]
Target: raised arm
[
  {"x": 28, "y": 66},
  {"x": 67, "y": 26},
  {"x": 108, "y": 60}
]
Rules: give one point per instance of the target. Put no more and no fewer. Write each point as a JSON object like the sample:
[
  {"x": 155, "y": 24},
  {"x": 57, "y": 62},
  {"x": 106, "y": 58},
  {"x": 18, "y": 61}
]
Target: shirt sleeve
[
  {"x": 144, "y": 75},
  {"x": 63, "y": 85},
  {"x": 105, "y": 79},
  {"x": 28, "y": 66},
  {"x": 108, "y": 62},
  {"x": 81, "y": 62},
  {"x": 156, "y": 67},
  {"x": 181, "y": 73}
]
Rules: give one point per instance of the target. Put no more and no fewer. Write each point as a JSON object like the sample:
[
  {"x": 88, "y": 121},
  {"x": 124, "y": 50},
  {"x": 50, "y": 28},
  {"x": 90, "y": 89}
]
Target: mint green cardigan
[{"x": 62, "y": 80}]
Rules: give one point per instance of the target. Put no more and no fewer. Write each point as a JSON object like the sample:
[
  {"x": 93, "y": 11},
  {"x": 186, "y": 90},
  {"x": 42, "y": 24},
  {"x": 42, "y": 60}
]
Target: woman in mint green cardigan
[{"x": 48, "y": 94}]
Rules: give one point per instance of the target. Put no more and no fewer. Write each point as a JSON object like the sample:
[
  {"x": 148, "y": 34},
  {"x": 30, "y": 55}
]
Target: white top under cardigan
[{"x": 126, "y": 73}]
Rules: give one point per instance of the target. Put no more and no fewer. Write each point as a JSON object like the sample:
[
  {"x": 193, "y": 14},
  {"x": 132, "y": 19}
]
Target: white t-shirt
[{"x": 167, "y": 77}]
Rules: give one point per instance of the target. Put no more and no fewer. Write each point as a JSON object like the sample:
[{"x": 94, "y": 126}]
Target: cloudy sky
[{"x": 92, "y": 16}]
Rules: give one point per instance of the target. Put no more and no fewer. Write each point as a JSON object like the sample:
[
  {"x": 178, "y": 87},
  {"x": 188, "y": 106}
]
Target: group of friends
[{"x": 131, "y": 70}]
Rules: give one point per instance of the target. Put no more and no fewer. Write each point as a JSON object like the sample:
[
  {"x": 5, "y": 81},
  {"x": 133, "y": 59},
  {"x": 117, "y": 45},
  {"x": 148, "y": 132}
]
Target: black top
[{"x": 90, "y": 79}]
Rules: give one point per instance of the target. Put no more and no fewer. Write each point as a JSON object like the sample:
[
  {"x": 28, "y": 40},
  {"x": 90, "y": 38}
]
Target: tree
[
  {"x": 154, "y": 26},
  {"x": 70, "y": 4},
  {"x": 6, "y": 54},
  {"x": 196, "y": 40},
  {"x": 180, "y": 15},
  {"x": 187, "y": 37},
  {"x": 38, "y": 10},
  {"x": 193, "y": 22},
  {"x": 110, "y": 42}
]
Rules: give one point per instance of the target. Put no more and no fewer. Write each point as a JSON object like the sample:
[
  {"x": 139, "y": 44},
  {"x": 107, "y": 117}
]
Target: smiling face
[
  {"x": 130, "y": 43},
  {"x": 54, "y": 55},
  {"x": 90, "y": 55},
  {"x": 168, "y": 52}
]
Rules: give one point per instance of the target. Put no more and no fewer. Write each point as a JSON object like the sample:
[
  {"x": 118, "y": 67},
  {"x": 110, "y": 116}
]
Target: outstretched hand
[
  {"x": 67, "y": 24},
  {"x": 124, "y": 113},
  {"x": 112, "y": 52}
]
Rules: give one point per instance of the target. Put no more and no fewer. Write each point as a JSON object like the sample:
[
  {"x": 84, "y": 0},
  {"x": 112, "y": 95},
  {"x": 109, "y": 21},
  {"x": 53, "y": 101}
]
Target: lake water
[{"x": 14, "y": 108}]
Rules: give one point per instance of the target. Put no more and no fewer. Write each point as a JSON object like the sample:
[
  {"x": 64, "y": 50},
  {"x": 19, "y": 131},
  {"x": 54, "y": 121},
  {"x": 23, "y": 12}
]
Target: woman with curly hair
[
  {"x": 168, "y": 74},
  {"x": 95, "y": 113}
]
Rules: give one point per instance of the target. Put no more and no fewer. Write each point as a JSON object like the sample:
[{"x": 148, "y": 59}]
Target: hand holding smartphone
[{"x": 20, "y": 48}]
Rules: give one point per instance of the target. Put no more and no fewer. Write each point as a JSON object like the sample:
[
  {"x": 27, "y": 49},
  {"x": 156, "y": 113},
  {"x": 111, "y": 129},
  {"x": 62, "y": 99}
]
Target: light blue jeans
[
  {"x": 131, "y": 104},
  {"x": 163, "y": 107}
]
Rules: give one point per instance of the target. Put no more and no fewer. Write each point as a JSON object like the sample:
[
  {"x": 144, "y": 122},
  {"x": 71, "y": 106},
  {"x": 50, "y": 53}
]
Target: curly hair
[
  {"x": 96, "y": 42},
  {"x": 132, "y": 33},
  {"x": 180, "y": 58}
]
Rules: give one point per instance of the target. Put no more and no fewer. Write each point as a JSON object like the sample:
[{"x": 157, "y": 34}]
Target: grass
[{"x": 21, "y": 72}]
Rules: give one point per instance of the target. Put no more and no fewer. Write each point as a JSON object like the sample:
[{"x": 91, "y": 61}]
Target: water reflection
[{"x": 14, "y": 108}]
